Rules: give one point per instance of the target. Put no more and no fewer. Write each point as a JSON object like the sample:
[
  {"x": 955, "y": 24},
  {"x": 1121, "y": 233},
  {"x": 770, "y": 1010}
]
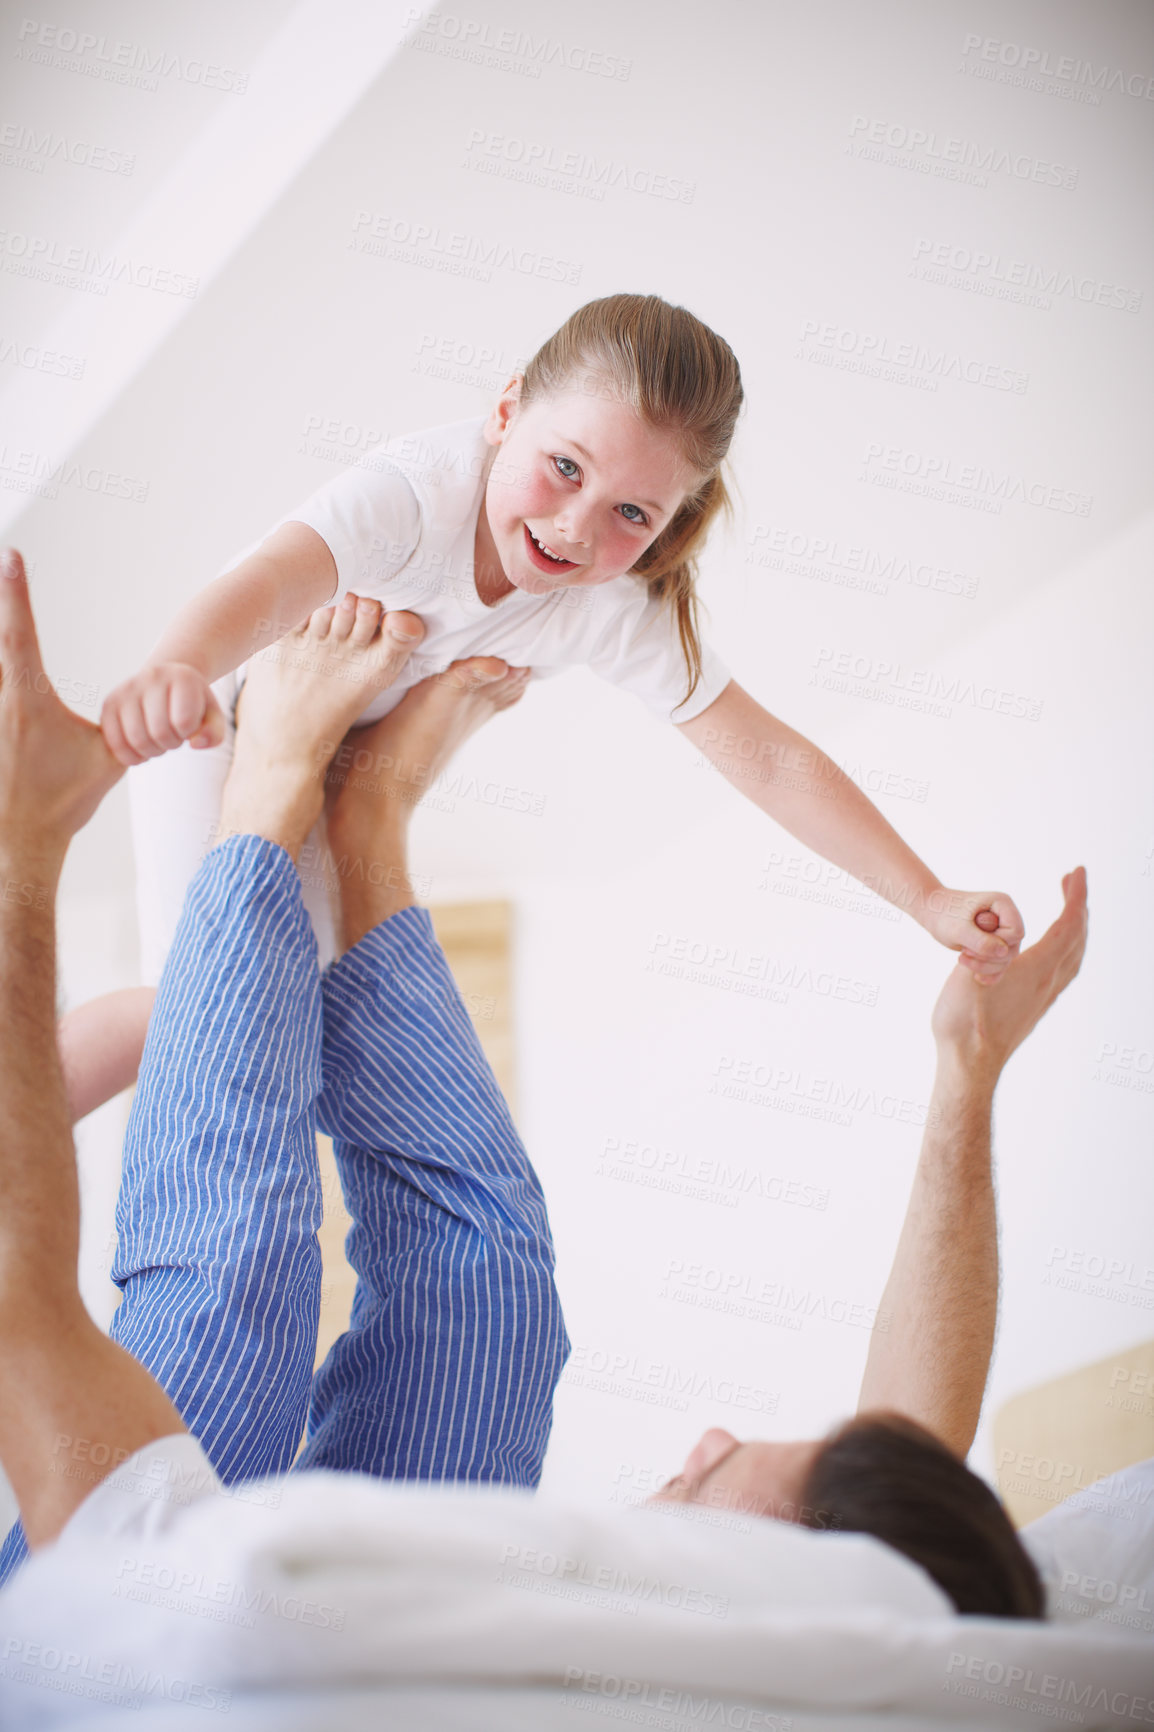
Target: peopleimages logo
[
  {"x": 996, "y": 487},
  {"x": 121, "y": 62},
  {"x": 703, "y": 962},
  {"x": 932, "y": 152},
  {"x": 853, "y": 564},
  {"x": 1039, "y": 1692},
  {"x": 23, "y": 146},
  {"x": 508, "y": 49},
  {"x": 880, "y": 680},
  {"x": 660, "y": 1383},
  {"x": 1067, "y": 69},
  {"x": 384, "y": 236},
  {"x": 546, "y": 163},
  {"x": 37, "y": 473},
  {"x": 85, "y": 268},
  {"x": 996, "y": 274},
  {"x": 39, "y": 360},
  {"x": 880, "y": 351}
]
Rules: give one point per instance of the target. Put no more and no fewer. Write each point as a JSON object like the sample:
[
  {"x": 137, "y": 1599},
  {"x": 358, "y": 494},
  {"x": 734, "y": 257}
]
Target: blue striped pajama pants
[{"x": 456, "y": 1340}]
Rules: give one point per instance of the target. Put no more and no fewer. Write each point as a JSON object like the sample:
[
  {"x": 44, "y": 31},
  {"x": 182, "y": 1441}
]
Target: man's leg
[
  {"x": 220, "y": 1199},
  {"x": 219, "y": 1260},
  {"x": 72, "y": 1404},
  {"x": 457, "y": 1339}
]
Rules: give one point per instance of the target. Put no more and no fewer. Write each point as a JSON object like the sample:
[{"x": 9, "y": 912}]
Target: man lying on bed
[{"x": 457, "y": 1339}]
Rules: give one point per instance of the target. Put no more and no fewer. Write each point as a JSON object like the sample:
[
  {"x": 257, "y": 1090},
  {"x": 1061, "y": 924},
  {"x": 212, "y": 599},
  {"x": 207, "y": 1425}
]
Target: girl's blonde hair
[{"x": 675, "y": 373}]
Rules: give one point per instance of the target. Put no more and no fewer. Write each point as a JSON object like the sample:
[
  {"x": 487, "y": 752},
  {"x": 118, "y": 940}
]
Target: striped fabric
[{"x": 457, "y": 1340}]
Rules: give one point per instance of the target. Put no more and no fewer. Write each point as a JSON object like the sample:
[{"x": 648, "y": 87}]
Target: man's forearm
[
  {"x": 61, "y": 1379},
  {"x": 930, "y": 1352},
  {"x": 39, "y": 1201}
]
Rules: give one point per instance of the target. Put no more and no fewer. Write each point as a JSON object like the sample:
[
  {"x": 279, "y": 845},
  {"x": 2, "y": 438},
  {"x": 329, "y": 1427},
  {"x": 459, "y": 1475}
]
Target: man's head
[{"x": 884, "y": 1475}]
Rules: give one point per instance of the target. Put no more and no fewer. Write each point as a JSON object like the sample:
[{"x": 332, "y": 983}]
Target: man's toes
[
  {"x": 511, "y": 689},
  {"x": 363, "y": 625},
  {"x": 404, "y": 630},
  {"x": 341, "y": 619},
  {"x": 474, "y": 672},
  {"x": 320, "y": 623}
]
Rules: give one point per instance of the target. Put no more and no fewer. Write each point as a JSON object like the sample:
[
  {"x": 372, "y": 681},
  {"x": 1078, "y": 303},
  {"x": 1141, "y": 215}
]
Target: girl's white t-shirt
[{"x": 401, "y": 527}]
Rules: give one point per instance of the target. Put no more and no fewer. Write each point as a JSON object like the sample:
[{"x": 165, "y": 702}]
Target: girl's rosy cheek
[
  {"x": 542, "y": 496},
  {"x": 529, "y": 497},
  {"x": 626, "y": 548}
]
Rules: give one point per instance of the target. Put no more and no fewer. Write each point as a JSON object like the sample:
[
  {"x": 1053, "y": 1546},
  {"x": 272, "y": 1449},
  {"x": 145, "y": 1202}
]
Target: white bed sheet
[{"x": 1095, "y": 1552}]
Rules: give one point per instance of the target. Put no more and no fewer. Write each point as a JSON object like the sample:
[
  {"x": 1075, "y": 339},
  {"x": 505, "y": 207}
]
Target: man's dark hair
[{"x": 887, "y": 1476}]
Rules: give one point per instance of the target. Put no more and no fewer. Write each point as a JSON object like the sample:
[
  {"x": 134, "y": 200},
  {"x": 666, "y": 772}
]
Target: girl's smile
[{"x": 546, "y": 558}]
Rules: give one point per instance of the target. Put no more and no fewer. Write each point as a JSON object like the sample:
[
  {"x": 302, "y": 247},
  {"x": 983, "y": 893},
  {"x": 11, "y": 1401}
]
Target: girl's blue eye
[{"x": 570, "y": 470}]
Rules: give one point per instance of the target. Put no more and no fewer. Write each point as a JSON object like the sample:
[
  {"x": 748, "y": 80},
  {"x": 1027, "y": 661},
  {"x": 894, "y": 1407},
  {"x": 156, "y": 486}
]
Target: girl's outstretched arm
[
  {"x": 290, "y": 574},
  {"x": 796, "y": 784}
]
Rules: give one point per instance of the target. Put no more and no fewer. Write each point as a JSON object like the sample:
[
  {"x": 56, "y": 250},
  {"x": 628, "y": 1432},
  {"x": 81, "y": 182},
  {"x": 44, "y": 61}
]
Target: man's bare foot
[
  {"x": 55, "y": 767},
  {"x": 379, "y": 774},
  {"x": 299, "y": 698}
]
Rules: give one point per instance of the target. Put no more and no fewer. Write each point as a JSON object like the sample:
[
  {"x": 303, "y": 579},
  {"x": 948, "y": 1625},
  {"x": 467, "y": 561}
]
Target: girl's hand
[
  {"x": 983, "y": 925},
  {"x": 158, "y": 709},
  {"x": 983, "y": 1028}
]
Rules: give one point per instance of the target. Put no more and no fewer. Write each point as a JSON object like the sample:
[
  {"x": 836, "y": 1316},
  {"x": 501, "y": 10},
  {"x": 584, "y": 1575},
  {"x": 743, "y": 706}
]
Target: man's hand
[
  {"x": 983, "y": 924},
  {"x": 55, "y": 767},
  {"x": 158, "y": 709},
  {"x": 982, "y": 1025},
  {"x": 931, "y": 1357}
]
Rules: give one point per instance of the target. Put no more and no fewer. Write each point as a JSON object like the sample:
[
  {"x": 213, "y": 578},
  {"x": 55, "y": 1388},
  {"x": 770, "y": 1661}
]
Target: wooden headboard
[{"x": 1061, "y": 1436}]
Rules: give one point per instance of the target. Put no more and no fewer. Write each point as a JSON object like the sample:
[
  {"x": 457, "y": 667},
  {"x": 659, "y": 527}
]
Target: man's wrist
[
  {"x": 30, "y": 873},
  {"x": 33, "y": 856},
  {"x": 968, "y": 1073}
]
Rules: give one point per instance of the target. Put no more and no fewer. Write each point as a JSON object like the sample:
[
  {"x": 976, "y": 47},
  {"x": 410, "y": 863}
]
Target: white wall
[{"x": 812, "y": 261}]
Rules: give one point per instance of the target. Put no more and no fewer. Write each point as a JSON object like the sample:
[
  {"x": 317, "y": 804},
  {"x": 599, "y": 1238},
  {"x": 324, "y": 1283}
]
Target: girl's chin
[{"x": 535, "y": 583}]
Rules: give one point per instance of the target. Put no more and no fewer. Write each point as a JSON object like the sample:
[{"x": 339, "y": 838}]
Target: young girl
[{"x": 564, "y": 528}]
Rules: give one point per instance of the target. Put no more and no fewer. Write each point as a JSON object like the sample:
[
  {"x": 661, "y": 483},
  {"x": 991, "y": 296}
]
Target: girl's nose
[{"x": 573, "y": 528}]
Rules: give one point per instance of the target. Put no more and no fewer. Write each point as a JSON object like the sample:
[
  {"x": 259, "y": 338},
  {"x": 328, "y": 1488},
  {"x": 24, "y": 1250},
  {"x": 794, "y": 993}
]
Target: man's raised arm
[
  {"x": 929, "y": 1355},
  {"x": 60, "y": 1377}
]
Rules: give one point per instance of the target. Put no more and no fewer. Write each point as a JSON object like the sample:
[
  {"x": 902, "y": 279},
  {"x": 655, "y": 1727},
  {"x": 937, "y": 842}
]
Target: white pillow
[{"x": 324, "y": 1581}]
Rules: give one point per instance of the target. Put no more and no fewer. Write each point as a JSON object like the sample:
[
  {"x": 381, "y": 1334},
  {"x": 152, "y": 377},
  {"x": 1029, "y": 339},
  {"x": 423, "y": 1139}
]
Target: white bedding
[
  {"x": 399, "y": 1605},
  {"x": 1096, "y": 1552},
  {"x": 532, "y": 1709}
]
